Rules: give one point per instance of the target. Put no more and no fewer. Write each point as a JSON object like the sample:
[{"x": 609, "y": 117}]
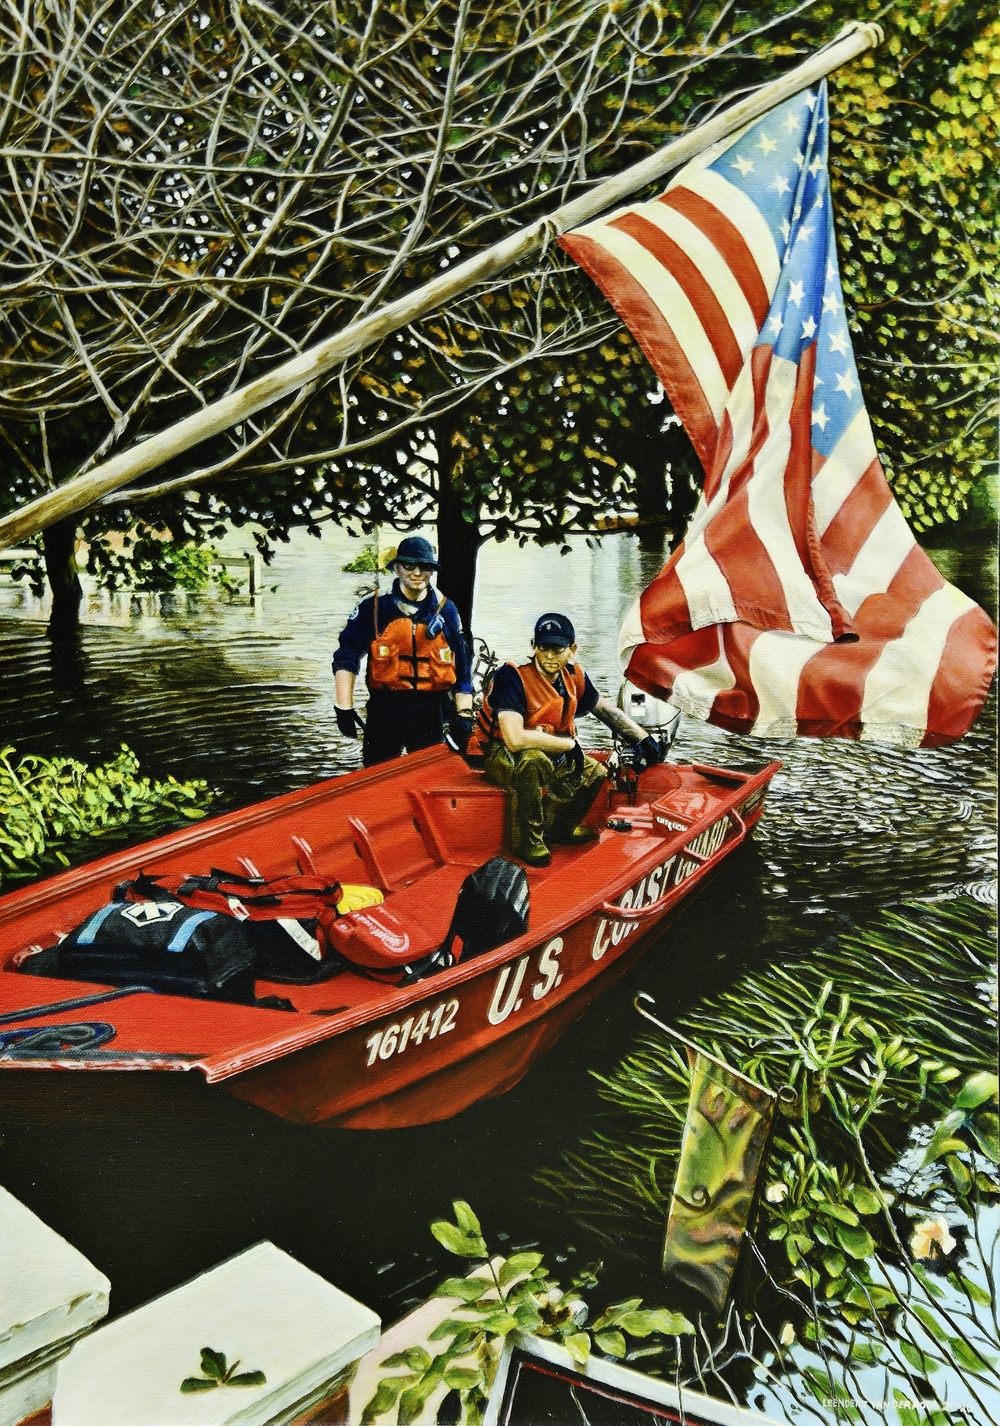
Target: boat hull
[
  {"x": 359, "y": 1054},
  {"x": 492, "y": 1028}
]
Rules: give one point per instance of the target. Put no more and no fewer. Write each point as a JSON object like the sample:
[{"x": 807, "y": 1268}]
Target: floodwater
[{"x": 241, "y": 695}]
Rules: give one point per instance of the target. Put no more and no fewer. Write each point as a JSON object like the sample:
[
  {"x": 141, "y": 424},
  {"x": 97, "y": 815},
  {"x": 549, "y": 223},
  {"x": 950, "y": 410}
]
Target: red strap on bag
[{"x": 299, "y": 898}]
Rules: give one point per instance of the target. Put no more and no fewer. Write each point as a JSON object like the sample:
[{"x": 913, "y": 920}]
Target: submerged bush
[
  {"x": 51, "y": 807},
  {"x": 149, "y": 560}
]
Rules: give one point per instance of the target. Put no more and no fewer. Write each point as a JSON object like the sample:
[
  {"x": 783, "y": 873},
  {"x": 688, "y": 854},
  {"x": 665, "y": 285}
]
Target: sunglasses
[{"x": 413, "y": 565}]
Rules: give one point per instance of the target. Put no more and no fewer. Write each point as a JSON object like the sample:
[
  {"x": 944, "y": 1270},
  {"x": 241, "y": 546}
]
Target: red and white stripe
[{"x": 799, "y": 602}]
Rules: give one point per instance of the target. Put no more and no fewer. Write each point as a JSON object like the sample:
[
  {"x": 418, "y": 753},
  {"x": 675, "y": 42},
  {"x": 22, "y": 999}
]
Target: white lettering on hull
[
  {"x": 393, "y": 1039},
  {"x": 501, "y": 1006},
  {"x": 548, "y": 967},
  {"x": 654, "y": 885},
  {"x": 506, "y": 993}
]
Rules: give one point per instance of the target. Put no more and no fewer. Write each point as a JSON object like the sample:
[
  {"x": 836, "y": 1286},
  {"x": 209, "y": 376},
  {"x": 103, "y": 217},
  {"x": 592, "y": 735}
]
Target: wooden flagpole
[
  {"x": 83, "y": 490},
  {"x": 641, "y": 1003}
]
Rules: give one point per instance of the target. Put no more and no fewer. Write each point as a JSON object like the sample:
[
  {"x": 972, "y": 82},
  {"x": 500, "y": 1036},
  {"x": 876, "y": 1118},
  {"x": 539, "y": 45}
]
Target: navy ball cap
[{"x": 554, "y": 631}]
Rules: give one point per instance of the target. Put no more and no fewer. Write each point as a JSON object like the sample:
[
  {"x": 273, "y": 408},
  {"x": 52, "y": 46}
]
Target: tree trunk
[
  {"x": 59, "y": 546},
  {"x": 458, "y": 538},
  {"x": 650, "y": 481}
]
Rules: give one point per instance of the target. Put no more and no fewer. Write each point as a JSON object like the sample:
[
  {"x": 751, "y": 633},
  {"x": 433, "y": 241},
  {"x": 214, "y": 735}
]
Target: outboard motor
[{"x": 660, "y": 720}]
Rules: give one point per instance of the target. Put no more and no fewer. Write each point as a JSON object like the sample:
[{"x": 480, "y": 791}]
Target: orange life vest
[
  {"x": 549, "y": 711},
  {"x": 403, "y": 659}
]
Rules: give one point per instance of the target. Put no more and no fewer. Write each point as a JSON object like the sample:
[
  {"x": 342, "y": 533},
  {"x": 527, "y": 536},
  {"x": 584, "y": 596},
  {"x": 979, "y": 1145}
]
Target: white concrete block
[
  {"x": 49, "y": 1295},
  {"x": 262, "y": 1308}
]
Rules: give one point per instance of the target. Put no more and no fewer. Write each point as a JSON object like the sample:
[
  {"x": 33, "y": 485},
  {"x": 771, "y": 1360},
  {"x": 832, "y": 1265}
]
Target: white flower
[
  {"x": 787, "y": 1334},
  {"x": 931, "y": 1239},
  {"x": 776, "y": 1192}
]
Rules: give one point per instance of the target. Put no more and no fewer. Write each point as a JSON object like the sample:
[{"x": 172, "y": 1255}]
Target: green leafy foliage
[
  {"x": 916, "y": 194},
  {"x": 500, "y": 1296},
  {"x": 52, "y": 807},
  {"x": 371, "y": 559},
  {"x": 970, "y": 1126},
  {"x": 150, "y": 560}
]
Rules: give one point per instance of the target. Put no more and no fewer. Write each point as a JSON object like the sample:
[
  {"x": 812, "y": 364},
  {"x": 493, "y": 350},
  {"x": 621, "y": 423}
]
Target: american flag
[{"x": 799, "y": 602}]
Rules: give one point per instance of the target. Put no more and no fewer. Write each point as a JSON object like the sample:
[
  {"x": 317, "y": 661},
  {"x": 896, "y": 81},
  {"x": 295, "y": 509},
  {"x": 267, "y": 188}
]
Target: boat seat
[
  {"x": 460, "y": 823},
  {"x": 394, "y": 853},
  {"x": 411, "y": 923}
]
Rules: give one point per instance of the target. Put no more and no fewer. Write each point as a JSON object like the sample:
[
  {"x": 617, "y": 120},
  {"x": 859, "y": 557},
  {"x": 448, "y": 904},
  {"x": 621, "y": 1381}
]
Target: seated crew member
[
  {"x": 417, "y": 657},
  {"x": 526, "y": 737}
]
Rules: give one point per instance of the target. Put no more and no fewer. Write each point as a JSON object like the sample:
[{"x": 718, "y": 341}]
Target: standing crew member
[
  {"x": 526, "y": 737},
  {"x": 417, "y": 657}
]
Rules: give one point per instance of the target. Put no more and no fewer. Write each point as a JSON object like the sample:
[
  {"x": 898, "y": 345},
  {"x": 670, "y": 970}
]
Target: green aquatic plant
[
  {"x": 869, "y": 1032},
  {"x": 499, "y": 1296},
  {"x": 52, "y": 808},
  {"x": 876, "y": 1235},
  {"x": 971, "y": 1123}
]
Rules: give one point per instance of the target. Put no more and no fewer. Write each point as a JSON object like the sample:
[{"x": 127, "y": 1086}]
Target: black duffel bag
[{"x": 163, "y": 945}]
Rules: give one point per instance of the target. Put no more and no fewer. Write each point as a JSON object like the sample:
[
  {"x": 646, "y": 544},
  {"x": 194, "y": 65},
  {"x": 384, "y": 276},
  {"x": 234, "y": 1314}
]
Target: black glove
[
  {"x": 573, "y": 759},
  {"x": 349, "y": 722},
  {"x": 649, "y": 752},
  {"x": 459, "y": 731}
]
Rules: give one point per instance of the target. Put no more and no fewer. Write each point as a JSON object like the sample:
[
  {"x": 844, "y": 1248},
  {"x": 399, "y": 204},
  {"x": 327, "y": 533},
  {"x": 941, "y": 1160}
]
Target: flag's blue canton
[{"x": 780, "y": 164}]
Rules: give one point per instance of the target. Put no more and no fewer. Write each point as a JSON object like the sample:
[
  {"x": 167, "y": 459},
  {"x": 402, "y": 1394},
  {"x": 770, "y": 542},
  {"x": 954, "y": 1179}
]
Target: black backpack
[
  {"x": 162, "y": 945},
  {"x": 281, "y": 919}
]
